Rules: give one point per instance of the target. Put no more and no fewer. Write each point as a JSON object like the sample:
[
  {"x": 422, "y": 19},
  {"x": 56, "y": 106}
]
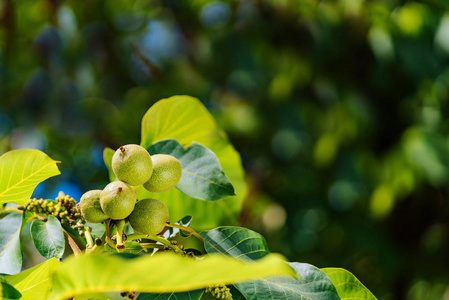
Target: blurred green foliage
[{"x": 338, "y": 108}]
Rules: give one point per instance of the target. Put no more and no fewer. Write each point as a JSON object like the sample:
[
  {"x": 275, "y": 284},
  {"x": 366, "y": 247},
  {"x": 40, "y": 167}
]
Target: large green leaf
[
  {"x": 311, "y": 283},
  {"x": 34, "y": 283},
  {"x": 21, "y": 171},
  {"x": 190, "y": 295},
  {"x": 186, "y": 120},
  {"x": 348, "y": 286},
  {"x": 202, "y": 176},
  {"x": 10, "y": 250},
  {"x": 48, "y": 237},
  {"x": 237, "y": 242},
  {"x": 7, "y": 291},
  {"x": 160, "y": 273}
]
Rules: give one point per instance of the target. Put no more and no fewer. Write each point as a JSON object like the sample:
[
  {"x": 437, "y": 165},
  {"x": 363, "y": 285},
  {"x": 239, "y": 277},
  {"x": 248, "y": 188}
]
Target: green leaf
[
  {"x": 171, "y": 232},
  {"x": 202, "y": 176},
  {"x": 186, "y": 120},
  {"x": 48, "y": 237},
  {"x": 348, "y": 286},
  {"x": 236, "y": 295},
  {"x": 21, "y": 171},
  {"x": 190, "y": 295},
  {"x": 160, "y": 273},
  {"x": 7, "y": 291},
  {"x": 311, "y": 283},
  {"x": 108, "y": 153},
  {"x": 237, "y": 242},
  {"x": 34, "y": 283},
  {"x": 10, "y": 249}
]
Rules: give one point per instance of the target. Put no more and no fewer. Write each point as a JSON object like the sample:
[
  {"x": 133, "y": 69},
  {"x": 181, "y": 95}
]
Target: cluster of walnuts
[{"x": 133, "y": 166}]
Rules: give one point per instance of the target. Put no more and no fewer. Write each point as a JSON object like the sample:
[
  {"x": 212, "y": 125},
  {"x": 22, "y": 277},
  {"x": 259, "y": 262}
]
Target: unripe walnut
[
  {"x": 118, "y": 200},
  {"x": 167, "y": 172},
  {"x": 132, "y": 164},
  {"x": 149, "y": 216},
  {"x": 90, "y": 207}
]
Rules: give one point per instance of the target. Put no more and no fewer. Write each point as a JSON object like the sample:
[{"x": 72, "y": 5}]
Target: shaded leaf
[
  {"x": 10, "y": 249},
  {"x": 190, "y": 295},
  {"x": 93, "y": 273},
  {"x": 348, "y": 286},
  {"x": 310, "y": 282},
  {"x": 186, "y": 120},
  {"x": 48, "y": 237},
  {"x": 171, "y": 232},
  {"x": 236, "y": 295},
  {"x": 7, "y": 291},
  {"x": 108, "y": 153},
  {"x": 202, "y": 176},
  {"x": 34, "y": 283},
  {"x": 21, "y": 171}
]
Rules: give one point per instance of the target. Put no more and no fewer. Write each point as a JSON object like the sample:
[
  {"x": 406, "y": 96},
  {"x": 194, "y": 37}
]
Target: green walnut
[
  {"x": 166, "y": 173},
  {"x": 132, "y": 164},
  {"x": 118, "y": 200},
  {"x": 91, "y": 208},
  {"x": 149, "y": 216}
]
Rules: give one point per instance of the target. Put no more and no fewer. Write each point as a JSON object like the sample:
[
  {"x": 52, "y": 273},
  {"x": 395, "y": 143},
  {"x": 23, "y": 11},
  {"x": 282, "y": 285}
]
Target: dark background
[{"x": 338, "y": 108}]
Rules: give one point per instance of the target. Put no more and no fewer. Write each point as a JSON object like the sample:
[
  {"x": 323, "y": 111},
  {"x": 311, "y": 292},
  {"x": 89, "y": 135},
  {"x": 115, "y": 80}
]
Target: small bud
[{"x": 98, "y": 242}]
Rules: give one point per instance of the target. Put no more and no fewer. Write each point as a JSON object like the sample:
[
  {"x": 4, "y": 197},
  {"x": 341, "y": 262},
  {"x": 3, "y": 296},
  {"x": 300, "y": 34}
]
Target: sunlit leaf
[
  {"x": 202, "y": 176},
  {"x": 48, "y": 237},
  {"x": 186, "y": 120},
  {"x": 348, "y": 286},
  {"x": 10, "y": 250},
  {"x": 34, "y": 283},
  {"x": 310, "y": 282},
  {"x": 160, "y": 273},
  {"x": 21, "y": 171}
]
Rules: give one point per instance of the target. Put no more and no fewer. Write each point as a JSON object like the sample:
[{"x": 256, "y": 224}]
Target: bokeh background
[{"x": 339, "y": 110}]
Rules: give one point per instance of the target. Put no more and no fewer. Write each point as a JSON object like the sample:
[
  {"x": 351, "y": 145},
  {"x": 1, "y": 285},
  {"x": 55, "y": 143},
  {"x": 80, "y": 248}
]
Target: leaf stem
[{"x": 188, "y": 229}]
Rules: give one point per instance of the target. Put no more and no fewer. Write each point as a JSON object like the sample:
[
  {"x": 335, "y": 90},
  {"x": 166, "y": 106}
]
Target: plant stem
[
  {"x": 119, "y": 234},
  {"x": 108, "y": 239},
  {"x": 39, "y": 217},
  {"x": 136, "y": 236},
  {"x": 188, "y": 229},
  {"x": 90, "y": 241},
  {"x": 152, "y": 245}
]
